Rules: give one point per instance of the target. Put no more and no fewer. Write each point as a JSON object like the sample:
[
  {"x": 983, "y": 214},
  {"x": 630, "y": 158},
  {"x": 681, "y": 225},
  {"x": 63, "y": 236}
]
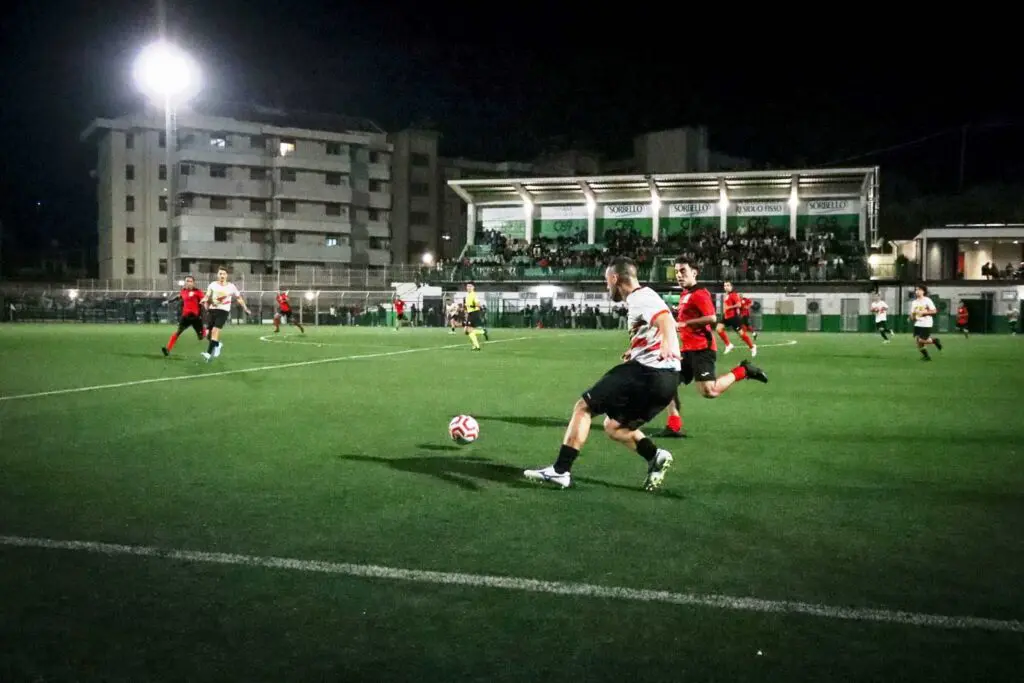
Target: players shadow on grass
[
  {"x": 467, "y": 472},
  {"x": 525, "y": 421}
]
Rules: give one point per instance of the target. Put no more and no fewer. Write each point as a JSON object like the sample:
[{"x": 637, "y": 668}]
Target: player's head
[
  {"x": 727, "y": 286},
  {"x": 686, "y": 272},
  {"x": 222, "y": 275},
  {"x": 470, "y": 287},
  {"x": 620, "y": 276},
  {"x": 920, "y": 291},
  {"x": 190, "y": 282}
]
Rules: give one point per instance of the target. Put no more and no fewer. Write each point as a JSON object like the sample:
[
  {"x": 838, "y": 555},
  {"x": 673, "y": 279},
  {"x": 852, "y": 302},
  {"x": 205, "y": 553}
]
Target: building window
[
  {"x": 162, "y": 172},
  {"x": 332, "y": 209},
  {"x": 287, "y": 147},
  {"x": 287, "y": 237},
  {"x": 129, "y": 172},
  {"x": 256, "y": 173},
  {"x": 287, "y": 175},
  {"x": 335, "y": 179},
  {"x": 163, "y": 203},
  {"x": 258, "y": 236},
  {"x": 186, "y": 201},
  {"x": 420, "y": 189},
  {"x": 376, "y": 186},
  {"x": 163, "y": 235},
  {"x": 219, "y": 203},
  {"x": 218, "y": 171},
  {"x": 185, "y": 169},
  {"x": 220, "y": 234},
  {"x": 373, "y": 214},
  {"x": 419, "y": 218},
  {"x": 334, "y": 149},
  {"x": 129, "y": 266},
  {"x": 163, "y": 266},
  {"x": 219, "y": 141},
  {"x": 129, "y": 141},
  {"x": 288, "y": 206},
  {"x": 258, "y": 205},
  {"x": 374, "y": 157},
  {"x": 162, "y": 140},
  {"x": 331, "y": 240},
  {"x": 380, "y": 243},
  {"x": 129, "y": 203},
  {"x": 419, "y": 159},
  {"x": 129, "y": 235},
  {"x": 257, "y": 142}
]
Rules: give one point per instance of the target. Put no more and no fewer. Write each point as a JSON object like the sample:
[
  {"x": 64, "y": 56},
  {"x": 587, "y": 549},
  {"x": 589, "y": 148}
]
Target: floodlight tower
[{"x": 169, "y": 78}]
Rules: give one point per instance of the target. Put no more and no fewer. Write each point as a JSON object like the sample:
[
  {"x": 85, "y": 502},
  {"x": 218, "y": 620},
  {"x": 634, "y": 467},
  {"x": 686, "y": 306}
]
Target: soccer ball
[{"x": 463, "y": 429}]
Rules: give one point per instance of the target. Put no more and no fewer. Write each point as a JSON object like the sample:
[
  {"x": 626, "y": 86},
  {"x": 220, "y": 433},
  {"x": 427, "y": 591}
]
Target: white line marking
[
  {"x": 281, "y": 366},
  {"x": 528, "y": 585},
  {"x": 791, "y": 342}
]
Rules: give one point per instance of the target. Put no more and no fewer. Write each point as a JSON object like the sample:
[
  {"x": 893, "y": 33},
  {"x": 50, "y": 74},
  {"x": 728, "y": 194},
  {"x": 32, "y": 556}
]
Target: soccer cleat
[
  {"x": 487, "y": 337},
  {"x": 207, "y": 356},
  {"x": 753, "y": 351},
  {"x": 166, "y": 352},
  {"x": 755, "y": 336},
  {"x": 548, "y": 475},
  {"x": 938, "y": 344},
  {"x": 672, "y": 434},
  {"x": 728, "y": 348},
  {"x": 656, "y": 470},
  {"x": 754, "y": 372}
]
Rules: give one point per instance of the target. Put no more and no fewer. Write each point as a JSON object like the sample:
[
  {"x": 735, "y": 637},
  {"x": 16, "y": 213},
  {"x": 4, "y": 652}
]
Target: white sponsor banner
[
  {"x": 833, "y": 207},
  {"x": 692, "y": 209},
  {"x": 501, "y": 214},
  {"x": 615, "y": 211},
  {"x": 563, "y": 212},
  {"x": 764, "y": 208}
]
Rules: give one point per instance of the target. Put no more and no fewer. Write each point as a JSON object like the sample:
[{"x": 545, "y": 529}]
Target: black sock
[
  {"x": 566, "y": 456},
  {"x": 924, "y": 352},
  {"x": 212, "y": 345},
  {"x": 882, "y": 332},
  {"x": 646, "y": 448}
]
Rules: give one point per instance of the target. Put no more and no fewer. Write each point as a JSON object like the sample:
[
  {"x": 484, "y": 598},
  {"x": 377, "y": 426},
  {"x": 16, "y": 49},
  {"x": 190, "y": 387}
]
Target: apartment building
[{"x": 258, "y": 190}]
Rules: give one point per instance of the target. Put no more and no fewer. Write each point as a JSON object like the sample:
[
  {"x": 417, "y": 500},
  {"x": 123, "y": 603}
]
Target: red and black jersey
[
  {"x": 961, "y": 315},
  {"x": 282, "y": 302},
  {"x": 745, "y": 306},
  {"x": 693, "y": 304},
  {"x": 399, "y": 306},
  {"x": 732, "y": 299},
  {"x": 190, "y": 302}
]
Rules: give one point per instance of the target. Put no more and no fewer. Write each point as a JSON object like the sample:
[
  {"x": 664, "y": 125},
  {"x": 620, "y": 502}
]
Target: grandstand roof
[{"x": 842, "y": 182}]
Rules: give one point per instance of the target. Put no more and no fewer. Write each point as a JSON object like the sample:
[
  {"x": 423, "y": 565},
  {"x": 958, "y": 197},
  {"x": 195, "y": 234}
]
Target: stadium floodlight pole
[{"x": 169, "y": 77}]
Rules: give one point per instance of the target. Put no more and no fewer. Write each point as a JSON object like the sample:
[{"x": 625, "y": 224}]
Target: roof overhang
[{"x": 974, "y": 231}]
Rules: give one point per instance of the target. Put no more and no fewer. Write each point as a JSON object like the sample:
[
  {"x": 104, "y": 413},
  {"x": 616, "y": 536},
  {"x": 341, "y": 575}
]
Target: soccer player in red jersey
[
  {"x": 731, "y": 319},
  {"x": 399, "y": 312},
  {"x": 962, "y": 316},
  {"x": 284, "y": 310},
  {"x": 694, "y": 319},
  {"x": 191, "y": 313},
  {"x": 746, "y": 305}
]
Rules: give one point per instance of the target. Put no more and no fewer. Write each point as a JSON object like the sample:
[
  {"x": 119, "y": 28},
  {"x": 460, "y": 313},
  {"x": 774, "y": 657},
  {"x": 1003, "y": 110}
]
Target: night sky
[{"x": 503, "y": 82}]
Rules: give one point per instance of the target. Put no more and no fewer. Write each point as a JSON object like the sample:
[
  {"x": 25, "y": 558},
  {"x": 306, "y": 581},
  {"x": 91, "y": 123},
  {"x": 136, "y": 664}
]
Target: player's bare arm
[
  {"x": 670, "y": 340},
  {"x": 241, "y": 302},
  {"x": 699, "y": 322}
]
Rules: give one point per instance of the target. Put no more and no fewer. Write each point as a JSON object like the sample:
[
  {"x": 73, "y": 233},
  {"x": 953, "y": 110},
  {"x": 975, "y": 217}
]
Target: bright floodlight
[
  {"x": 166, "y": 74},
  {"x": 428, "y": 258},
  {"x": 72, "y": 294},
  {"x": 310, "y": 296}
]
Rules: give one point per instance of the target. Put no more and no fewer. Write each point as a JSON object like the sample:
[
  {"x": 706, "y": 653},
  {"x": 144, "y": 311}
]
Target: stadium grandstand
[{"x": 801, "y": 225}]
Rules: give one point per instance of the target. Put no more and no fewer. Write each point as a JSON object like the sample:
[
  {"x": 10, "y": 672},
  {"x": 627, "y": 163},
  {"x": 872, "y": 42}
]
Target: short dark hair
[
  {"x": 624, "y": 267},
  {"x": 923, "y": 287},
  {"x": 224, "y": 268},
  {"x": 687, "y": 261}
]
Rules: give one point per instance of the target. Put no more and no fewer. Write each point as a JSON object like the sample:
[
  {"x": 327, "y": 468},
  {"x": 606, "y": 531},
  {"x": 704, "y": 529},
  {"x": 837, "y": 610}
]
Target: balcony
[
  {"x": 220, "y": 251},
  {"x": 380, "y": 200},
  {"x": 208, "y": 218},
  {"x": 379, "y": 171},
  {"x": 312, "y": 192},
  {"x": 327, "y": 164},
  {"x": 203, "y": 153},
  {"x": 300, "y": 223},
  {"x": 313, "y": 252},
  {"x": 378, "y": 229},
  {"x": 223, "y": 187},
  {"x": 378, "y": 257}
]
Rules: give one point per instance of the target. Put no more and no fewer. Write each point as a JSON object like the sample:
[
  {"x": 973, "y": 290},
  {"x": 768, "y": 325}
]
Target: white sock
[{"x": 216, "y": 351}]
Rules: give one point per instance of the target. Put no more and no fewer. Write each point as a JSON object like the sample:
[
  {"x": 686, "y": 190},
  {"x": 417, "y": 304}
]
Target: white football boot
[
  {"x": 549, "y": 475},
  {"x": 656, "y": 470}
]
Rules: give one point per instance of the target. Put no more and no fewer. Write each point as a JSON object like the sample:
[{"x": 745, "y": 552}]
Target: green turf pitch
[{"x": 859, "y": 477}]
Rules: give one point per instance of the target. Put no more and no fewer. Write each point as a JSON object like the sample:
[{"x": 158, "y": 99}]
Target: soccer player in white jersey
[
  {"x": 922, "y": 315},
  {"x": 881, "y": 311},
  {"x": 219, "y": 296},
  {"x": 631, "y": 393}
]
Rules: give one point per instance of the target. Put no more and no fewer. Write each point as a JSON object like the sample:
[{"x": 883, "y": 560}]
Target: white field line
[
  {"x": 791, "y": 342},
  {"x": 262, "y": 368},
  {"x": 512, "y": 583}
]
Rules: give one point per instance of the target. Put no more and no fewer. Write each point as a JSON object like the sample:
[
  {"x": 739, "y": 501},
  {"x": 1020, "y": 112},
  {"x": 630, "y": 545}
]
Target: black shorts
[
  {"x": 285, "y": 315},
  {"x": 881, "y": 325},
  {"x": 632, "y": 394},
  {"x": 474, "y": 318},
  {"x": 732, "y": 323},
  {"x": 922, "y": 333},
  {"x": 193, "y": 321},
  {"x": 698, "y": 365},
  {"x": 400, "y": 316},
  {"x": 218, "y": 318},
  {"x": 961, "y": 326},
  {"x": 745, "y": 320}
]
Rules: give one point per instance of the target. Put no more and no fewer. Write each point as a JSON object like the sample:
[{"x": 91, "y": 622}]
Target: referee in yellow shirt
[{"x": 474, "y": 315}]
